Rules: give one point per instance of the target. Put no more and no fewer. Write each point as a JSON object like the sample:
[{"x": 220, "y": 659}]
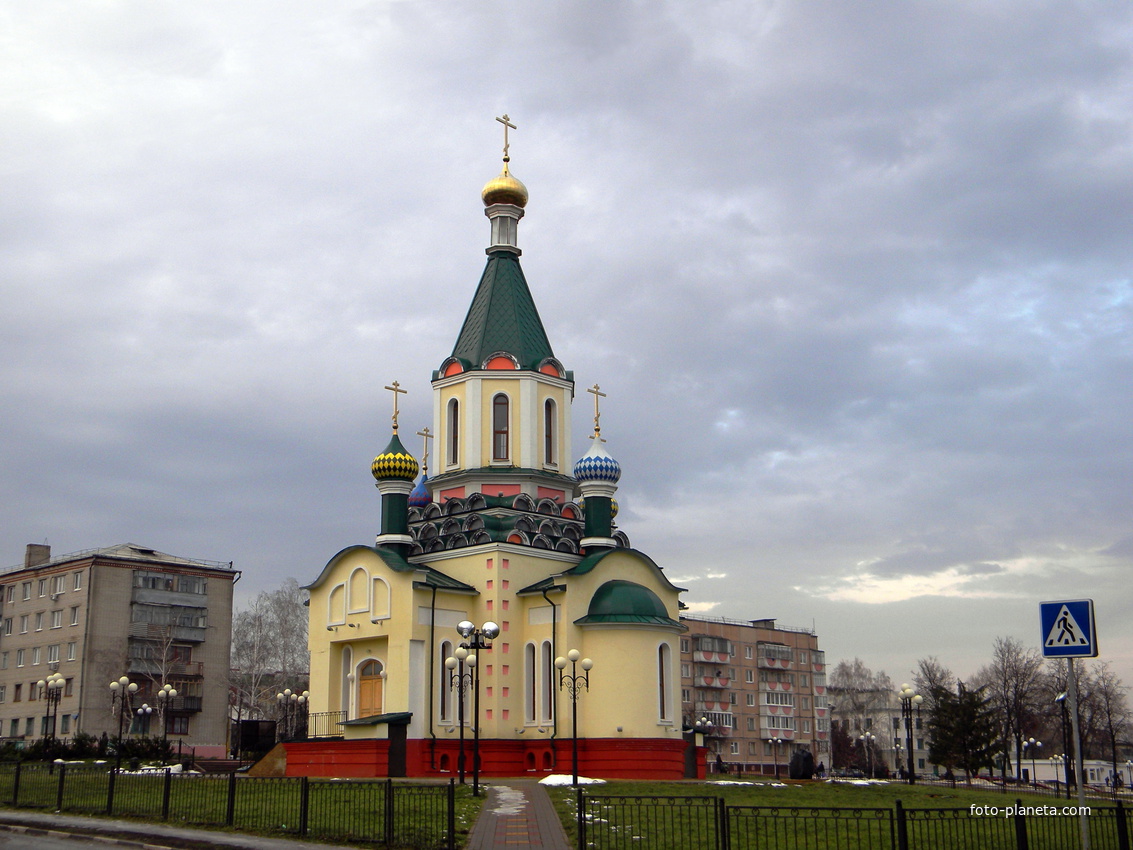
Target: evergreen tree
[{"x": 962, "y": 729}]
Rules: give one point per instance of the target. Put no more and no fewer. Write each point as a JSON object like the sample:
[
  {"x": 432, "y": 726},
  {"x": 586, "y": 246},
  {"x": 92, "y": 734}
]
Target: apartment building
[
  {"x": 95, "y": 616},
  {"x": 758, "y": 690}
]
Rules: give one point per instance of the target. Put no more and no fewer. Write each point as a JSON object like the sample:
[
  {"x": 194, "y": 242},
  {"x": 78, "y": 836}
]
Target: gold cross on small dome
[
  {"x": 428, "y": 435},
  {"x": 597, "y": 415},
  {"x": 396, "y": 390}
]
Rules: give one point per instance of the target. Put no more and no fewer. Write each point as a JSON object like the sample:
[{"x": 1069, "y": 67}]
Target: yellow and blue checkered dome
[{"x": 395, "y": 462}]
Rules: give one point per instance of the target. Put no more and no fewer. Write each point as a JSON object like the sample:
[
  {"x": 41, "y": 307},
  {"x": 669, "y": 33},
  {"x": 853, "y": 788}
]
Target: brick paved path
[{"x": 518, "y": 814}]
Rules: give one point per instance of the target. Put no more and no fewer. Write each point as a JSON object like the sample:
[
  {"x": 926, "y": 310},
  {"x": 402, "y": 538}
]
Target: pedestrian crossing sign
[{"x": 1068, "y": 629}]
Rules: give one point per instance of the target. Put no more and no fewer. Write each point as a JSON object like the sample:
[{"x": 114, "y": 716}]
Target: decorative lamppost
[
  {"x": 704, "y": 727},
  {"x": 459, "y": 680},
  {"x": 290, "y": 704},
  {"x": 51, "y": 689},
  {"x": 867, "y": 743},
  {"x": 1067, "y": 756},
  {"x": 143, "y": 714},
  {"x": 775, "y": 742},
  {"x": 573, "y": 685},
  {"x": 121, "y": 691},
  {"x": 898, "y": 749},
  {"x": 909, "y": 698},
  {"x": 1032, "y": 745},
  {"x": 165, "y": 702},
  {"x": 465, "y": 655}
]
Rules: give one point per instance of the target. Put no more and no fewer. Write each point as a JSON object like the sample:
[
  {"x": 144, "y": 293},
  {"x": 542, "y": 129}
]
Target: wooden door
[{"x": 370, "y": 689}]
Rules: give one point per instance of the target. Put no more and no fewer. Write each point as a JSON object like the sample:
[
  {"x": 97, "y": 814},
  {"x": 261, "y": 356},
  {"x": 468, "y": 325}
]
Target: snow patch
[{"x": 563, "y": 779}]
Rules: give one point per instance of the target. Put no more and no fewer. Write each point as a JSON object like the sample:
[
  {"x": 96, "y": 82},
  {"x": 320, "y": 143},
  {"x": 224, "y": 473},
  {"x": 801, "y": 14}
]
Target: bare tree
[
  {"x": 931, "y": 675},
  {"x": 269, "y": 649},
  {"x": 859, "y": 693},
  {"x": 1112, "y": 709},
  {"x": 1013, "y": 682}
]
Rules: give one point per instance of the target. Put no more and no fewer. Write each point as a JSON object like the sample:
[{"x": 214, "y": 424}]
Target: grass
[
  {"x": 820, "y": 815},
  {"x": 343, "y": 811}
]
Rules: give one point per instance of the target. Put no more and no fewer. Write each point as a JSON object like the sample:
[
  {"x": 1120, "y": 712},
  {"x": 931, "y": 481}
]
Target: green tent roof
[{"x": 503, "y": 317}]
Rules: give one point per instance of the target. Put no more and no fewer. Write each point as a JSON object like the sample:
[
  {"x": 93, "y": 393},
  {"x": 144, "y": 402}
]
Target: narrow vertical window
[
  {"x": 453, "y": 432},
  {"x": 529, "y": 680},
  {"x": 664, "y": 710},
  {"x": 445, "y": 690},
  {"x": 549, "y": 432},
  {"x": 500, "y": 427},
  {"x": 548, "y": 683}
]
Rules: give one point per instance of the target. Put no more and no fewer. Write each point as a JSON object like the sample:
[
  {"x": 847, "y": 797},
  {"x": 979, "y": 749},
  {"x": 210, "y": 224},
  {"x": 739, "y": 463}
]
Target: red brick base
[{"x": 600, "y": 758}]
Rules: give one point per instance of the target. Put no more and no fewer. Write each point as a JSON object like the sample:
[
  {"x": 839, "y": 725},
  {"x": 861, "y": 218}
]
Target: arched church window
[
  {"x": 664, "y": 661},
  {"x": 549, "y": 432},
  {"x": 500, "y": 427},
  {"x": 453, "y": 431}
]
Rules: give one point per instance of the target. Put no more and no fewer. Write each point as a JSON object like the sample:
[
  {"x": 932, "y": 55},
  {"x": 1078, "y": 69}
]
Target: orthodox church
[{"x": 444, "y": 634}]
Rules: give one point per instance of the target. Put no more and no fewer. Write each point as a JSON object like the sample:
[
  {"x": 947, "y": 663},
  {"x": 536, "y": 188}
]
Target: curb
[{"x": 102, "y": 839}]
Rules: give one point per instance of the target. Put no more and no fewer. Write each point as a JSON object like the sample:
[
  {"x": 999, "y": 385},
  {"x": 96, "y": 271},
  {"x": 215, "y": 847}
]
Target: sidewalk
[
  {"x": 136, "y": 834},
  {"x": 518, "y": 814}
]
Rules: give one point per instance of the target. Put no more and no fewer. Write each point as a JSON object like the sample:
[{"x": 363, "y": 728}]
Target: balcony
[
  {"x": 722, "y": 723},
  {"x": 704, "y": 657},
  {"x": 712, "y": 681},
  {"x": 154, "y": 632},
  {"x": 154, "y": 668},
  {"x": 768, "y": 663},
  {"x": 706, "y": 706}
]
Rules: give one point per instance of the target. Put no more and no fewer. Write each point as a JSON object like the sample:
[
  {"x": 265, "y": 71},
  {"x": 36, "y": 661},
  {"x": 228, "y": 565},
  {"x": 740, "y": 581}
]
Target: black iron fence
[
  {"x": 704, "y": 823},
  {"x": 376, "y": 811}
]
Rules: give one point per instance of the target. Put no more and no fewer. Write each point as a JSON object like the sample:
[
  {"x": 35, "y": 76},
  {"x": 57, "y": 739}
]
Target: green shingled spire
[{"x": 503, "y": 318}]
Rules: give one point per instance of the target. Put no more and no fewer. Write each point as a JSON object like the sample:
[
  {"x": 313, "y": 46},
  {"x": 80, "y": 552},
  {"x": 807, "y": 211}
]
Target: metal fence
[
  {"x": 703, "y": 823},
  {"x": 376, "y": 811}
]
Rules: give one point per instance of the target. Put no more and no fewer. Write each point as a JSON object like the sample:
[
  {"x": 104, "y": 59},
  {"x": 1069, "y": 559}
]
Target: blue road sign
[{"x": 1068, "y": 629}]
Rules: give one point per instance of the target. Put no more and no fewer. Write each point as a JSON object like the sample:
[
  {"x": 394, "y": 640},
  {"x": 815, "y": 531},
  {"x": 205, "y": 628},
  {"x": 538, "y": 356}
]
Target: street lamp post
[
  {"x": 121, "y": 690},
  {"x": 573, "y": 685},
  {"x": 474, "y": 639},
  {"x": 703, "y": 727},
  {"x": 165, "y": 702},
  {"x": 291, "y": 703},
  {"x": 460, "y": 680},
  {"x": 52, "y": 690},
  {"x": 775, "y": 742},
  {"x": 909, "y": 698},
  {"x": 867, "y": 743},
  {"x": 1066, "y": 749},
  {"x": 143, "y": 714},
  {"x": 1032, "y": 745}
]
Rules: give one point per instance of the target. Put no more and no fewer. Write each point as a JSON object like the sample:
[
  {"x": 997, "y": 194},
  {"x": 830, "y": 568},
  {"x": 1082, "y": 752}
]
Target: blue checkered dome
[{"x": 597, "y": 465}]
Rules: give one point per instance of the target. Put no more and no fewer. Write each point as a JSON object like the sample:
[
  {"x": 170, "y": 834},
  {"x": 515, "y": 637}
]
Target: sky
[{"x": 856, "y": 278}]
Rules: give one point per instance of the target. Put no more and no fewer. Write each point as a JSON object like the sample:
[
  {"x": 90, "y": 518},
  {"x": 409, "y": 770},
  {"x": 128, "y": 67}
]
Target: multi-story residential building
[
  {"x": 762, "y": 689},
  {"x": 875, "y": 715},
  {"x": 93, "y": 617}
]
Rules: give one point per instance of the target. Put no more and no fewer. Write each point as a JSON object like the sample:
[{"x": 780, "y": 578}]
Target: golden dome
[{"x": 504, "y": 189}]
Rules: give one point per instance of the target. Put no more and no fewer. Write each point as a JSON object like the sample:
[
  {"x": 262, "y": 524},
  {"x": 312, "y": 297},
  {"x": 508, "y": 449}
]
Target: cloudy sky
[{"x": 855, "y": 276}]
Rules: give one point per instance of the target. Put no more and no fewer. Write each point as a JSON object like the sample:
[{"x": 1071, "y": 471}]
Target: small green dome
[
  {"x": 395, "y": 462},
  {"x": 625, "y": 601}
]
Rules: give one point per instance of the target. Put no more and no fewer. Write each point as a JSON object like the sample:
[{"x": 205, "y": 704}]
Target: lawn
[{"x": 841, "y": 815}]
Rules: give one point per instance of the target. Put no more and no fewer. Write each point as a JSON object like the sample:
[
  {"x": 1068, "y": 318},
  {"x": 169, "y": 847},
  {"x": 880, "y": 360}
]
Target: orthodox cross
[
  {"x": 425, "y": 457},
  {"x": 507, "y": 123},
  {"x": 597, "y": 416},
  {"x": 396, "y": 390}
]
